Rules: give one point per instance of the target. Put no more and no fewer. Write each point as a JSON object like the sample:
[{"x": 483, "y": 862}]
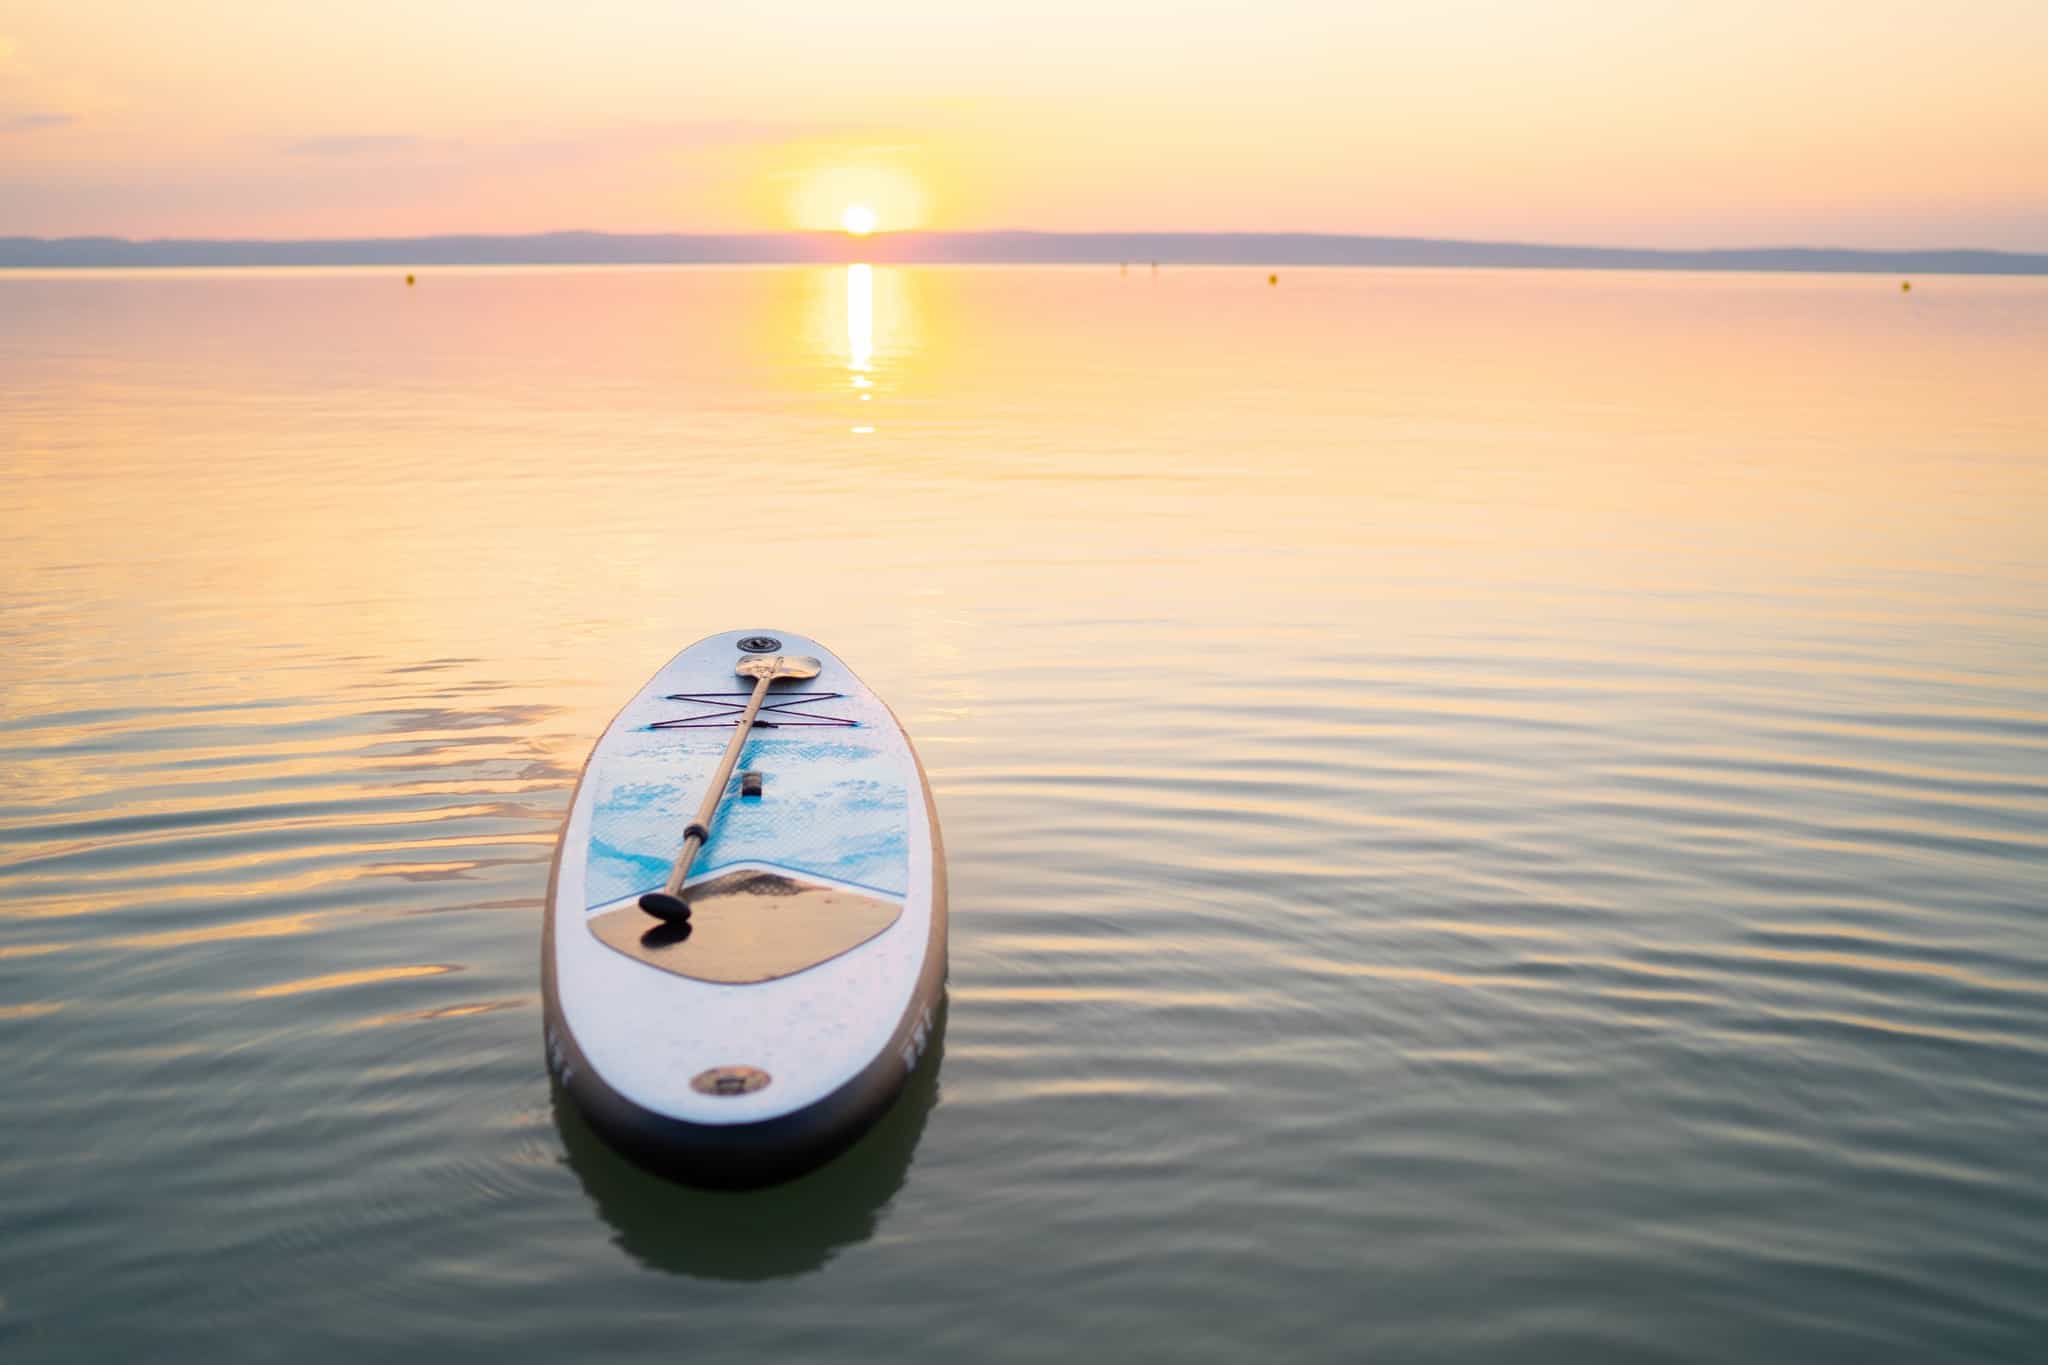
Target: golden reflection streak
[
  {"x": 1480, "y": 980},
  {"x": 277, "y": 926},
  {"x": 1487, "y": 981},
  {"x": 94, "y": 901},
  {"x": 35, "y": 1011},
  {"x": 257, "y": 822},
  {"x": 444, "y": 1012},
  {"x": 1081, "y": 1087},
  {"x": 860, "y": 321},
  {"x": 1902, "y": 1029},
  {"x": 1476, "y": 929},
  {"x": 1860, "y": 962},
  {"x": 1079, "y": 995},
  {"x": 231, "y": 817},
  {"x": 338, "y": 980}
]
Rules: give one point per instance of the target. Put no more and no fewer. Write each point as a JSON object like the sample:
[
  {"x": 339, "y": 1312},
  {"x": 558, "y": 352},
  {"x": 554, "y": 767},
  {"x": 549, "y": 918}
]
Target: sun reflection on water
[
  {"x": 860, "y": 333},
  {"x": 860, "y": 319}
]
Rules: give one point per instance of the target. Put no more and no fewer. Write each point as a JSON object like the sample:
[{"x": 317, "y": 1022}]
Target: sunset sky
[{"x": 1656, "y": 123}]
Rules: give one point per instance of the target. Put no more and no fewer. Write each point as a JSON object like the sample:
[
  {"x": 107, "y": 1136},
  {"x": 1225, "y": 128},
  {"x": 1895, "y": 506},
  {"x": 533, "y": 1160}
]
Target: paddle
[{"x": 668, "y": 903}]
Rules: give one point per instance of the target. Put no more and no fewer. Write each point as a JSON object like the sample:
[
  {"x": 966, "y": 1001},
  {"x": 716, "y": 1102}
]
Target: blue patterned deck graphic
[{"x": 835, "y": 809}]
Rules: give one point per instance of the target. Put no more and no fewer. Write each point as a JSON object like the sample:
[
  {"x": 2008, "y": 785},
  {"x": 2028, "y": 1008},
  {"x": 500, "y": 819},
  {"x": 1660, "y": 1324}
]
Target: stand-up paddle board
[{"x": 745, "y": 938}]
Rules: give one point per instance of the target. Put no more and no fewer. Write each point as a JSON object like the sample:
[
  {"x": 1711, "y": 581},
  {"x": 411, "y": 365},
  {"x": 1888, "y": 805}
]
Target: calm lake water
[{"x": 1493, "y": 816}]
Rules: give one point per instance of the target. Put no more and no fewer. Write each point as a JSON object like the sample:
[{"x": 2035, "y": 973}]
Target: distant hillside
[{"x": 1022, "y": 248}]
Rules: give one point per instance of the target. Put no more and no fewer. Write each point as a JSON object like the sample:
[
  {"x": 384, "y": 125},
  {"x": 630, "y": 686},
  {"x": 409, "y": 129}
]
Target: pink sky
[{"x": 1660, "y": 123}]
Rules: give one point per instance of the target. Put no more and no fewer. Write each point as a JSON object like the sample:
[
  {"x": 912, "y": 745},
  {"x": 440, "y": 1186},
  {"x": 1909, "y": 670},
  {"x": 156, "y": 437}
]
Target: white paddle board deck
[{"x": 770, "y": 1033}]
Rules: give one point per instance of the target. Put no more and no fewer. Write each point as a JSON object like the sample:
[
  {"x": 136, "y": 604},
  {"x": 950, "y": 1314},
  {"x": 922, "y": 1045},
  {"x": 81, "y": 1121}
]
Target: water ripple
[{"x": 1465, "y": 843}]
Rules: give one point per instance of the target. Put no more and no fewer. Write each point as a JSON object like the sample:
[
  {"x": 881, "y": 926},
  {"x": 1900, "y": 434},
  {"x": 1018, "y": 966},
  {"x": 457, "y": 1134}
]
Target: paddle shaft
[{"x": 700, "y": 827}]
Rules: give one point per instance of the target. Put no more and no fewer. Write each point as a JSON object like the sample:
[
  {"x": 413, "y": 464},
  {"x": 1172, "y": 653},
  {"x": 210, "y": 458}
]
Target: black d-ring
[{"x": 760, "y": 644}]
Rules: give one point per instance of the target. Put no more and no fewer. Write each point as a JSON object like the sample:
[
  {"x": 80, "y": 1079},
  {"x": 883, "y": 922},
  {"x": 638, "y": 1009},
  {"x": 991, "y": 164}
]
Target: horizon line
[{"x": 586, "y": 246}]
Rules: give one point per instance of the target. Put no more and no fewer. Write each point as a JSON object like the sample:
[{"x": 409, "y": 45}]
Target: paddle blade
[{"x": 758, "y": 666}]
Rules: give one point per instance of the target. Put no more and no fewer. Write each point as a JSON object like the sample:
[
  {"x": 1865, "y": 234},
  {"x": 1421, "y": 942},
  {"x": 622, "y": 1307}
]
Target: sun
[{"x": 858, "y": 219}]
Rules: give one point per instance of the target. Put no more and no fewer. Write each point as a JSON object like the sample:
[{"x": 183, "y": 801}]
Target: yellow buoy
[
  {"x": 1272, "y": 279},
  {"x": 1905, "y": 286},
  {"x": 408, "y": 279}
]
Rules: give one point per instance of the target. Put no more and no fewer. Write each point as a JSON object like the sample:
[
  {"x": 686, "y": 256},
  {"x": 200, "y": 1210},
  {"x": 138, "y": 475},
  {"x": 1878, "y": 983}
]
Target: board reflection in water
[{"x": 788, "y": 1229}]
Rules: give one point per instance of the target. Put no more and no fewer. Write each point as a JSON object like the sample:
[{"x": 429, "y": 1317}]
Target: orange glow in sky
[{"x": 1688, "y": 123}]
